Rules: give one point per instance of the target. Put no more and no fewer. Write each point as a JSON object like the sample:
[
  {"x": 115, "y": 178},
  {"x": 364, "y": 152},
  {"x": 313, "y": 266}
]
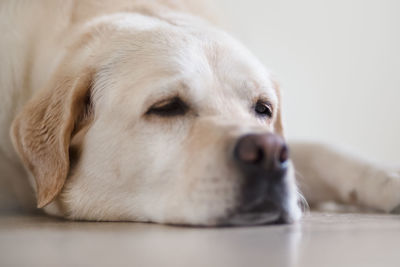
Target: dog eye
[
  {"x": 169, "y": 108},
  {"x": 263, "y": 109}
]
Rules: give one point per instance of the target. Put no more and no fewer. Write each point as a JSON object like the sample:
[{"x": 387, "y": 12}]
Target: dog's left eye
[
  {"x": 169, "y": 108},
  {"x": 263, "y": 109}
]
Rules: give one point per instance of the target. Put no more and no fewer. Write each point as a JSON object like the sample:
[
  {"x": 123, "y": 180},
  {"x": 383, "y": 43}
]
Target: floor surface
[{"x": 319, "y": 240}]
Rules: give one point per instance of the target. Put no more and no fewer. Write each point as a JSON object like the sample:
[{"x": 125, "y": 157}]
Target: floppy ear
[
  {"x": 41, "y": 133},
  {"x": 278, "y": 124}
]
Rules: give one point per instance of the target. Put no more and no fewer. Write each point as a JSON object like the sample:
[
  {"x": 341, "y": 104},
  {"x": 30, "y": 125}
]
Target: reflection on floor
[{"x": 321, "y": 239}]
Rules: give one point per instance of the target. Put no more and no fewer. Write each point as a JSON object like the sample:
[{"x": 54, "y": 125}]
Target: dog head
[{"x": 158, "y": 119}]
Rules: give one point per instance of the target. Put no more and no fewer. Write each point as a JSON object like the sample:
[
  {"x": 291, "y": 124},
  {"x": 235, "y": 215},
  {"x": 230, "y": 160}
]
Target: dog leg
[{"x": 326, "y": 174}]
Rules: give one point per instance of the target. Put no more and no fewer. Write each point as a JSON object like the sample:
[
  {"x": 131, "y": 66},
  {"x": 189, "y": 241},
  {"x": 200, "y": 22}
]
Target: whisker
[{"x": 305, "y": 207}]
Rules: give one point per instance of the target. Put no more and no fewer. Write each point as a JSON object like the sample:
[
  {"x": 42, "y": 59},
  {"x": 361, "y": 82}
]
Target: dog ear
[
  {"x": 41, "y": 132},
  {"x": 278, "y": 124}
]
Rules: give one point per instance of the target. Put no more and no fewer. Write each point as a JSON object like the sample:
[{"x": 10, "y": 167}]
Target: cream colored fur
[{"x": 108, "y": 160}]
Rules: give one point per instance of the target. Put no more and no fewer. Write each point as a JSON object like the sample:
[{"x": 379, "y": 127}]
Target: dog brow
[{"x": 174, "y": 89}]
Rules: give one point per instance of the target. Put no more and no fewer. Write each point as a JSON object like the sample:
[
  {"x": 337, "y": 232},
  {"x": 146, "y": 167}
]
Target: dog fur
[{"x": 77, "y": 78}]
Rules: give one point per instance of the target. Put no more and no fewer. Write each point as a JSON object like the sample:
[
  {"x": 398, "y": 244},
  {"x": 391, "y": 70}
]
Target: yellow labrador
[{"x": 142, "y": 111}]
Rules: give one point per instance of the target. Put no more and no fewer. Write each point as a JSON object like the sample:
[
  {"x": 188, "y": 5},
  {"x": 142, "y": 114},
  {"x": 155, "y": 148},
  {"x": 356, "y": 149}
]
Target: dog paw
[
  {"x": 396, "y": 210},
  {"x": 391, "y": 184},
  {"x": 396, "y": 176}
]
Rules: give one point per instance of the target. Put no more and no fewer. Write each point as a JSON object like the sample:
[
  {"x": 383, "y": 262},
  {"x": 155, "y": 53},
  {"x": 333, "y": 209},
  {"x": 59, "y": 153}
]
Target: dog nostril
[
  {"x": 284, "y": 154},
  {"x": 260, "y": 156},
  {"x": 264, "y": 151}
]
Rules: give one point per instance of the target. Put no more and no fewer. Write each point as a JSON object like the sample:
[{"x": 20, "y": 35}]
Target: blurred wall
[{"x": 338, "y": 63}]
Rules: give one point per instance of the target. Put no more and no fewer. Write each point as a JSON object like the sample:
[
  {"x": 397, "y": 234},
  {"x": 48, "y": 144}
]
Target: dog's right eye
[{"x": 169, "y": 108}]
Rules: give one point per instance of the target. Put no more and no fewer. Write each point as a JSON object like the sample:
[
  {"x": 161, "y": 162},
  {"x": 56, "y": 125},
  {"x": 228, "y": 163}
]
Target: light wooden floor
[{"x": 319, "y": 240}]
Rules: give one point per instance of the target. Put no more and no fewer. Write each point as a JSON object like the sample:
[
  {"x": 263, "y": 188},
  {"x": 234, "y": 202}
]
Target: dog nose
[
  {"x": 263, "y": 160},
  {"x": 262, "y": 152}
]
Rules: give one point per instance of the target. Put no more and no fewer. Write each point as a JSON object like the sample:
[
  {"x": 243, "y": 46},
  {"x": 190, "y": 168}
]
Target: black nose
[
  {"x": 262, "y": 159},
  {"x": 261, "y": 152}
]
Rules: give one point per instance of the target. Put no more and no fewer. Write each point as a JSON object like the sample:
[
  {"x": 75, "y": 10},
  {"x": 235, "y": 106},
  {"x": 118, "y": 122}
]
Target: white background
[{"x": 338, "y": 63}]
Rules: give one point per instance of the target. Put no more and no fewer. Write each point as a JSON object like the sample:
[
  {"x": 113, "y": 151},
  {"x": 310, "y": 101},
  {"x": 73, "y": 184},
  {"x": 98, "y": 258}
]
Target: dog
[{"x": 145, "y": 111}]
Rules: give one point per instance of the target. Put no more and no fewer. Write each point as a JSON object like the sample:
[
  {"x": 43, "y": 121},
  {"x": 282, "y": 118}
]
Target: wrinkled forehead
[{"x": 202, "y": 65}]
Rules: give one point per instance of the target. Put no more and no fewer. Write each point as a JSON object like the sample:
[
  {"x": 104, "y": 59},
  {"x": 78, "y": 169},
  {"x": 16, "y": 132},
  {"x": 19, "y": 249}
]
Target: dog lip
[
  {"x": 255, "y": 218},
  {"x": 261, "y": 212}
]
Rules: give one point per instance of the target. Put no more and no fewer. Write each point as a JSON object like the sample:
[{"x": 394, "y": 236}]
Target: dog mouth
[
  {"x": 255, "y": 218},
  {"x": 264, "y": 213},
  {"x": 266, "y": 205}
]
